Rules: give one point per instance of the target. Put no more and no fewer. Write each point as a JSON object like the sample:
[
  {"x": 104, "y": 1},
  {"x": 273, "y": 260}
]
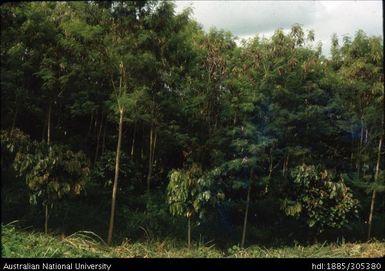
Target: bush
[
  {"x": 319, "y": 198},
  {"x": 51, "y": 172}
]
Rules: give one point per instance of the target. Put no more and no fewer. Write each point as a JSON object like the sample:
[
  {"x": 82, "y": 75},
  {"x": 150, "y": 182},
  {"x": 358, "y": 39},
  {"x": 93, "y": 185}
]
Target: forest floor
[{"x": 18, "y": 243}]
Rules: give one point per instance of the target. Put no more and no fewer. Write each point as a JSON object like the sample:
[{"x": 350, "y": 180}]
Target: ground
[{"x": 22, "y": 243}]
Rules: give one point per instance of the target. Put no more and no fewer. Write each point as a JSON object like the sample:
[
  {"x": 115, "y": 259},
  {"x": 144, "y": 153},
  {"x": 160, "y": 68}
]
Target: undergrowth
[{"x": 17, "y": 243}]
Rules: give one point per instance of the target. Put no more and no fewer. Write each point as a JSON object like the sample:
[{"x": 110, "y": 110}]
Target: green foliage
[
  {"x": 51, "y": 172},
  {"x": 103, "y": 171},
  {"x": 248, "y": 113},
  {"x": 17, "y": 243},
  {"x": 190, "y": 192},
  {"x": 12, "y": 142},
  {"x": 321, "y": 200}
]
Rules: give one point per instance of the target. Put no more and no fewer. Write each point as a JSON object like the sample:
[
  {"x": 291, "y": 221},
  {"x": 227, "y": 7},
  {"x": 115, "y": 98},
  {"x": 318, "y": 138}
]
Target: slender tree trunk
[
  {"x": 352, "y": 148},
  {"x": 96, "y": 120},
  {"x": 362, "y": 132},
  {"x": 150, "y": 157},
  {"x": 14, "y": 119},
  {"x": 359, "y": 163},
  {"x": 246, "y": 212},
  {"x": 154, "y": 146},
  {"x": 149, "y": 161},
  {"x": 271, "y": 163},
  {"x": 270, "y": 169},
  {"x": 133, "y": 141},
  {"x": 43, "y": 134},
  {"x": 285, "y": 165},
  {"x": 374, "y": 191},
  {"x": 104, "y": 137},
  {"x": 366, "y": 135},
  {"x": 49, "y": 123},
  {"x": 91, "y": 120},
  {"x": 98, "y": 139},
  {"x": 142, "y": 145},
  {"x": 48, "y": 142},
  {"x": 189, "y": 233},
  {"x": 115, "y": 186},
  {"x": 46, "y": 219}
]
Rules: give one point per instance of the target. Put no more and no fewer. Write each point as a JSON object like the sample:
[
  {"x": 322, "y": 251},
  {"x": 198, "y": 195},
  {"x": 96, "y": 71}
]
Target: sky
[{"x": 247, "y": 18}]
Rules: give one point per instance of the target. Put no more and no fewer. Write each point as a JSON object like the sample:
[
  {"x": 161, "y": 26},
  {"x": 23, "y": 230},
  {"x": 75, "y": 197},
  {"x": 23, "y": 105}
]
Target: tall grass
[{"x": 21, "y": 243}]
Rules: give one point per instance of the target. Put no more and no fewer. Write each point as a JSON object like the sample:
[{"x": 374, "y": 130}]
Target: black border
[{"x": 274, "y": 264}]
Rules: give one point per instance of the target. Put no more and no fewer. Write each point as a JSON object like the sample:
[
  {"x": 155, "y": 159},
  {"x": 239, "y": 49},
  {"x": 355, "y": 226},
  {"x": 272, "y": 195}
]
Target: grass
[{"x": 17, "y": 243}]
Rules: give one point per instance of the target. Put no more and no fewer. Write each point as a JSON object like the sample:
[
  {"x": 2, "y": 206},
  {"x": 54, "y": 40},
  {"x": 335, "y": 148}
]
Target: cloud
[
  {"x": 247, "y": 18},
  {"x": 251, "y": 17},
  {"x": 346, "y": 18}
]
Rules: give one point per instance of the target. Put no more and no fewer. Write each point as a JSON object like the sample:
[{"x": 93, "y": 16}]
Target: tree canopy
[{"x": 260, "y": 135}]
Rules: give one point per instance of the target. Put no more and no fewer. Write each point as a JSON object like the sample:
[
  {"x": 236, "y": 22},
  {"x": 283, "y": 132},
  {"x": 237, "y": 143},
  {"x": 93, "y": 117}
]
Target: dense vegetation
[
  {"x": 27, "y": 244},
  {"x": 127, "y": 120}
]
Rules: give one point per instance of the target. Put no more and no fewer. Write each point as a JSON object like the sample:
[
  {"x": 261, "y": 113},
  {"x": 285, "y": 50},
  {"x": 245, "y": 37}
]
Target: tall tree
[{"x": 121, "y": 45}]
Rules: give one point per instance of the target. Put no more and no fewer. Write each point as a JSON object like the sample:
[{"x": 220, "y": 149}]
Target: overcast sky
[{"x": 246, "y": 18}]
